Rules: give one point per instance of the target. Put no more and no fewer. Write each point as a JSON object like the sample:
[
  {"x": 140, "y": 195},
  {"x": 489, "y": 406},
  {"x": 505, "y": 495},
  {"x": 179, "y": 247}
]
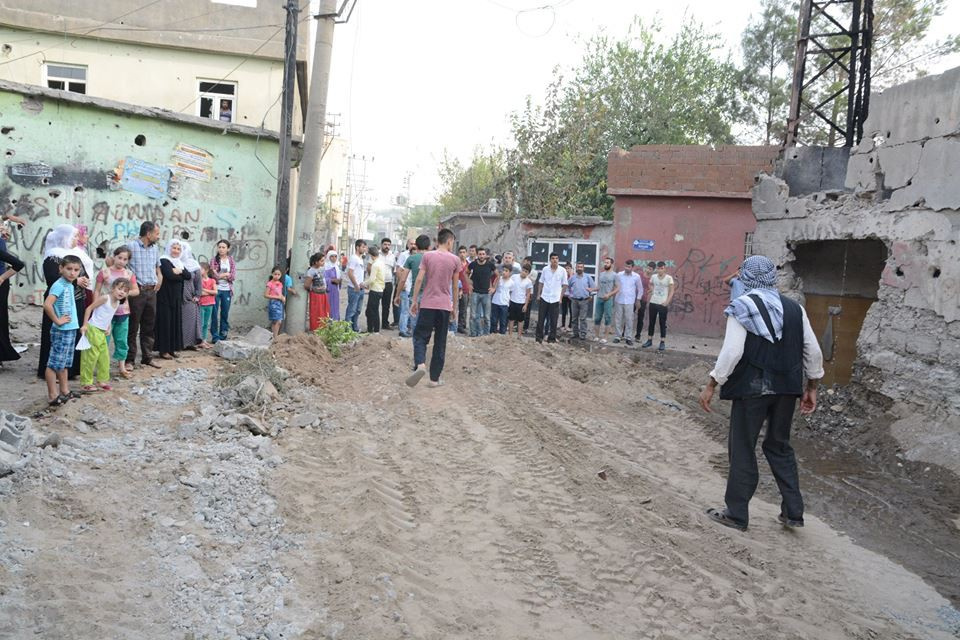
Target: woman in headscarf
[
  {"x": 62, "y": 241},
  {"x": 9, "y": 266},
  {"x": 333, "y": 275},
  {"x": 192, "y": 291},
  {"x": 169, "y": 331}
]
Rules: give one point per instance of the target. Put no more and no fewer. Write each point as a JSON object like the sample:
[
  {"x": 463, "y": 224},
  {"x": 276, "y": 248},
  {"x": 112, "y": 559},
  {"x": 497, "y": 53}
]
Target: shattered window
[{"x": 66, "y": 77}]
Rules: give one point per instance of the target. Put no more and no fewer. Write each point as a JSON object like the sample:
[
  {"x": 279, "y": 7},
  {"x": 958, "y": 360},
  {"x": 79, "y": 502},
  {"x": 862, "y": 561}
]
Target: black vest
[{"x": 768, "y": 368}]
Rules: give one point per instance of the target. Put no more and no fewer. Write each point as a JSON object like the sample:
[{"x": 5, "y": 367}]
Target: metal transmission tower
[{"x": 831, "y": 74}]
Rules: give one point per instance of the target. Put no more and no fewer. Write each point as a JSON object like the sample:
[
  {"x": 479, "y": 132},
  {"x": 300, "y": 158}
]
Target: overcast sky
[{"x": 411, "y": 79}]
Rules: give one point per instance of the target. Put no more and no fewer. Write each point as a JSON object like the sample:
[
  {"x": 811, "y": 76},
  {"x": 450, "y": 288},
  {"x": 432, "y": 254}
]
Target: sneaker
[
  {"x": 789, "y": 522},
  {"x": 603, "y": 341},
  {"x": 629, "y": 343},
  {"x": 616, "y": 341},
  {"x": 648, "y": 343},
  {"x": 663, "y": 346}
]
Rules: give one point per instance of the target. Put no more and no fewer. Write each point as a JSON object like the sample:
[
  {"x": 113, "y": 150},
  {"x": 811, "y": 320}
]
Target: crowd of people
[{"x": 163, "y": 303}]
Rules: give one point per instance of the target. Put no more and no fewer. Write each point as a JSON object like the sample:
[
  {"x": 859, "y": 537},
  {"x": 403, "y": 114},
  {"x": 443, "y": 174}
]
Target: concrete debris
[
  {"x": 257, "y": 339},
  {"x": 16, "y": 436}
]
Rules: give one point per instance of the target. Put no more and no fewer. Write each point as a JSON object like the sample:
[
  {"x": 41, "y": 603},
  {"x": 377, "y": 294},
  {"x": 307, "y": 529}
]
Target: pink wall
[{"x": 702, "y": 241}]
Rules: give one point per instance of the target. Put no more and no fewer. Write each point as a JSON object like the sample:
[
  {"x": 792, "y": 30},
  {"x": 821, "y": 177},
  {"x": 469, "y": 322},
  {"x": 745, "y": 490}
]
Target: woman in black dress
[
  {"x": 169, "y": 332},
  {"x": 60, "y": 242},
  {"x": 9, "y": 266}
]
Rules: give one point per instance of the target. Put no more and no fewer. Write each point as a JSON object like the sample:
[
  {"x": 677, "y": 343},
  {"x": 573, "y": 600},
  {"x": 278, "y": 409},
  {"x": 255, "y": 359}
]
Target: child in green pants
[
  {"x": 97, "y": 320},
  {"x": 120, "y": 325}
]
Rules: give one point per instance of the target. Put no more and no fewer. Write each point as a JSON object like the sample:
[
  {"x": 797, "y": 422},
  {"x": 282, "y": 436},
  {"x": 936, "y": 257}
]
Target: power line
[{"x": 102, "y": 24}]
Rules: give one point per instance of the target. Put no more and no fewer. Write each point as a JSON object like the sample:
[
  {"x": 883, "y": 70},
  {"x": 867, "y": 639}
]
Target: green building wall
[{"x": 60, "y": 159}]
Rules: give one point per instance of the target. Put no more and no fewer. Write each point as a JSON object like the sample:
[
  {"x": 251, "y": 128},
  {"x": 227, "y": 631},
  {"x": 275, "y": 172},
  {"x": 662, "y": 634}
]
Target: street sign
[{"x": 643, "y": 245}]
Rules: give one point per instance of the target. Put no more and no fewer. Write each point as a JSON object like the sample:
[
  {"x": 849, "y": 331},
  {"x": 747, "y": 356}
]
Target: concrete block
[
  {"x": 928, "y": 107},
  {"x": 811, "y": 169},
  {"x": 259, "y": 336},
  {"x": 899, "y": 163},
  {"x": 895, "y": 339},
  {"x": 770, "y": 198},
  {"x": 937, "y": 179},
  {"x": 923, "y": 345},
  {"x": 236, "y": 349},
  {"x": 861, "y": 172},
  {"x": 16, "y": 436}
]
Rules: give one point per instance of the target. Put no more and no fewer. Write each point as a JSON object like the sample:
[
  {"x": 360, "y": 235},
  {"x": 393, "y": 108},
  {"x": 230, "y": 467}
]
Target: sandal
[
  {"x": 125, "y": 374},
  {"x": 416, "y": 377},
  {"x": 721, "y": 517},
  {"x": 89, "y": 388},
  {"x": 106, "y": 387},
  {"x": 73, "y": 395},
  {"x": 58, "y": 401}
]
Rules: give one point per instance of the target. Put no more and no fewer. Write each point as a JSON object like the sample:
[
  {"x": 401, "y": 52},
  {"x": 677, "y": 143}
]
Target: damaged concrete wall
[
  {"x": 61, "y": 164},
  {"x": 904, "y": 191}
]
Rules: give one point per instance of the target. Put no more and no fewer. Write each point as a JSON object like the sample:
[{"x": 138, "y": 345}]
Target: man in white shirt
[
  {"x": 356, "y": 273},
  {"x": 553, "y": 284},
  {"x": 770, "y": 358},
  {"x": 626, "y": 302},
  {"x": 390, "y": 266}
]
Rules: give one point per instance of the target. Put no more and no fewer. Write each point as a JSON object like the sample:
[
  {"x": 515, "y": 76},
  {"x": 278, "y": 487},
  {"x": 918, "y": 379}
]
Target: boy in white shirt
[
  {"x": 521, "y": 289},
  {"x": 662, "y": 287}
]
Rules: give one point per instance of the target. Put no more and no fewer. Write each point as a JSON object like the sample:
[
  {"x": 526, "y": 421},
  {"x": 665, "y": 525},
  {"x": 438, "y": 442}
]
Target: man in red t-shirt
[{"x": 437, "y": 282}]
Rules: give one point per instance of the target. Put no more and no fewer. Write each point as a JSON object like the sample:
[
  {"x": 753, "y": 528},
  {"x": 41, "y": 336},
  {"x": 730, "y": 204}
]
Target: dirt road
[{"x": 543, "y": 492}]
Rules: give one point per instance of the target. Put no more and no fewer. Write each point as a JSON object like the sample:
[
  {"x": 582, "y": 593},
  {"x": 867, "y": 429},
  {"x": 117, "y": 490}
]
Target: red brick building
[{"x": 690, "y": 207}]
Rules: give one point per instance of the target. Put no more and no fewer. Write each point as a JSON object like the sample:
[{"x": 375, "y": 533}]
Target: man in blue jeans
[
  {"x": 406, "y": 276},
  {"x": 483, "y": 276},
  {"x": 356, "y": 274}
]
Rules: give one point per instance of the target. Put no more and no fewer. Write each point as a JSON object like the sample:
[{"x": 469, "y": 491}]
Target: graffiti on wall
[
  {"x": 701, "y": 294},
  {"x": 113, "y": 224}
]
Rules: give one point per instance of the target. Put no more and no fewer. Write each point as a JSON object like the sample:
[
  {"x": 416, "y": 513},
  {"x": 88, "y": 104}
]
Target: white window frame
[
  {"x": 217, "y": 97},
  {"x": 576, "y": 242},
  {"x": 66, "y": 81}
]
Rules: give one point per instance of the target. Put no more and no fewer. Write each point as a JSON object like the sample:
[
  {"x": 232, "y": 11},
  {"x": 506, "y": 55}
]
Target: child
[
  {"x": 208, "y": 287},
  {"x": 120, "y": 324},
  {"x": 225, "y": 272},
  {"x": 500, "y": 302},
  {"x": 61, "y": 308},
  {"x": 97, "y": 321},
  {"x": 316, "y": 283},
  {"x": 521, "y": 288},
  {"x": 274, "y": 293}
]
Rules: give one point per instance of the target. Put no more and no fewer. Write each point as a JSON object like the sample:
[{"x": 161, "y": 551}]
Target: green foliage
[
  {"x": 470, "y": 188},
  {"x": 768, "y": 45},
  {"x": 422, "y": 215},
  {"x": 901, "y": 49},
  {"x": 335, "y": 335}
]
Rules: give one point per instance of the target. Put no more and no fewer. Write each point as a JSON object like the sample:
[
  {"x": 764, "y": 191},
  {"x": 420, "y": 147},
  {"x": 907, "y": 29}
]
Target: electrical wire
[
  {"x": 246, "y": 59},
  {"x": 101, "y": 25}
]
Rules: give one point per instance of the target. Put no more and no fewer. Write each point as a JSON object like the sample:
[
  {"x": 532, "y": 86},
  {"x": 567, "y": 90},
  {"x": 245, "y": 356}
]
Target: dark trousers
[
  {"x": 746, "y": 418},
  {"x": 431, "y": 322},
  {"x": 143, "y": 318},
  {"x": 564, "y": 310},
  {"x": 386, "y": 302},
  {"x": 658, "y": 311},
  {"x": 547, "y": 320},
  {"x": 498, "y": 318},
  {"x": 462, "y": 314},
  {"x": 640, "y": 312},
  {"x": 373, "y": 311}
]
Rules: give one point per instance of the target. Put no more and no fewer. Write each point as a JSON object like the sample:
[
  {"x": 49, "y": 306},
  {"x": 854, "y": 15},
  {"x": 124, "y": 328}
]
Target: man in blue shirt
[
  {"x": 145, "y": 264},
  {"x": 580, "y": 292}
]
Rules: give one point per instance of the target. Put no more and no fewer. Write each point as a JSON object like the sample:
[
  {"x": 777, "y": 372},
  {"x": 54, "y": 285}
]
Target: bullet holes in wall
[{"x": 140, "y": 140}]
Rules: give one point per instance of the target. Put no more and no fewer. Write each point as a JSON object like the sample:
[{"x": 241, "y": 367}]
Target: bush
[{"x": 335, "y": 335}]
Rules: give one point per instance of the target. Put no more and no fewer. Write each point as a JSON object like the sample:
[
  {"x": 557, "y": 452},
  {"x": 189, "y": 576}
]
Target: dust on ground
[{"x": 544, "y": 492}]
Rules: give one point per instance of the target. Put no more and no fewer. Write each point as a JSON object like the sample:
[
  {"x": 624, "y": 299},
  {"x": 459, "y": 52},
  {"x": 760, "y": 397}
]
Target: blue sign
[
  {"x": 643, "y": 245},
  {"x": 145, "y": 178}
]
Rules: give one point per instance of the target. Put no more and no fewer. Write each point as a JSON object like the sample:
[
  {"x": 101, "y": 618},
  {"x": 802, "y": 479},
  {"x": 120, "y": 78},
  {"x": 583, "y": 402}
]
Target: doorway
[{"x": 840, "y": 280}]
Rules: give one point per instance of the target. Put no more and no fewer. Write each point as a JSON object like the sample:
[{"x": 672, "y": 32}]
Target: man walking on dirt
[
  {"x": 770, "y": 357},
  {"x": 440, "y": 270}
]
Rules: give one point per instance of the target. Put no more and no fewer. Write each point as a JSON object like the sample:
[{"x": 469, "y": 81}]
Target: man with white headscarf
[{"x": 770, "y": 357}]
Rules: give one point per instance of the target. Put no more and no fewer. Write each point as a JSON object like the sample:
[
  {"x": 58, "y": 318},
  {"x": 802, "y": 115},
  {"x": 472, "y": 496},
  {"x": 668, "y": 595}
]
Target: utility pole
[
  {"x": 286, "y": 133},
  {"x": 313, "y": 145}
]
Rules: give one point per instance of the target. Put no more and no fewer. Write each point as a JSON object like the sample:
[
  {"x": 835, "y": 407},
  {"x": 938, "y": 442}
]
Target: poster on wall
[
  {"x": 144, "y": 178},
  {"x": 643, "y": 245},
  {"x": 192, "y": 162}
]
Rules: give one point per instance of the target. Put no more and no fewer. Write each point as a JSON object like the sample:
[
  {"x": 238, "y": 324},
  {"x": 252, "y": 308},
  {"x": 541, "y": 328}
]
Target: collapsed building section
[{"x": 873, "y": 254}]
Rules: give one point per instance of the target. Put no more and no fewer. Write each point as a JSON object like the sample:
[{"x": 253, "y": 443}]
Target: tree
[
  {"x": 769, "y": 46},
  {"x": 630, "y": 91},
  {"x": 901, "y": 49},
  {"x": 471, "y": 188}
]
